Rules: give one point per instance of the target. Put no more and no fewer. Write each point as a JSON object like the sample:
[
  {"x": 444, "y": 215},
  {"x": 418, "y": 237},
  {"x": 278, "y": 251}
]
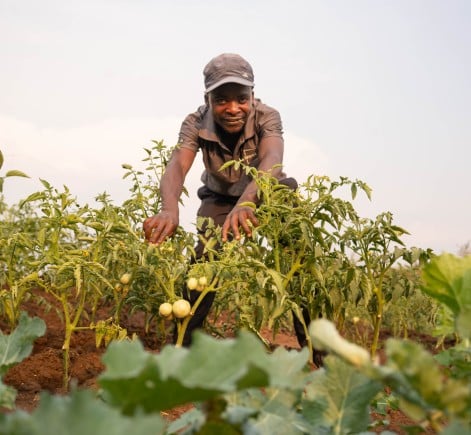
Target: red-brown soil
[{"x": 43, "y": 369}]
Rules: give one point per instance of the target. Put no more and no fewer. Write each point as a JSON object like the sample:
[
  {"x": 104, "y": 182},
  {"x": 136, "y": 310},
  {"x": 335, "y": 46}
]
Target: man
[{"x": 232, "y": 125}]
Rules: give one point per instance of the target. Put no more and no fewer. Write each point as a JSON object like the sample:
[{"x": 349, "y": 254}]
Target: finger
[
  {"x": 165, "y": 231},
  {"x": 163, "y": 234},
  {"x": 244, "y": 223},
  {"x": 235, "y": 226},
  {"x": 148, "y": 228},
  {"x": 253, "y": 219},
  {"x": 225, "y": 229},
  {"x": 155, "y": 234}
]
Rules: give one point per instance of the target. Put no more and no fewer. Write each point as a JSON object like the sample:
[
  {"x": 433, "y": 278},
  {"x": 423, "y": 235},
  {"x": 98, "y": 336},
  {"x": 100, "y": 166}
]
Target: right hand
[
  {"x": 160, "y": 226},
  {"x": 239, "y": 217}
]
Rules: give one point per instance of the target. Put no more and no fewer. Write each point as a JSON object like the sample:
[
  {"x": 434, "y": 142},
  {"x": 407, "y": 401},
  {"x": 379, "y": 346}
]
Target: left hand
[{"x": 240, "y": 216}]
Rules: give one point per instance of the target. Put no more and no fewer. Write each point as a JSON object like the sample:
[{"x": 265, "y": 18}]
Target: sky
[{"x": 374, "y": 90}]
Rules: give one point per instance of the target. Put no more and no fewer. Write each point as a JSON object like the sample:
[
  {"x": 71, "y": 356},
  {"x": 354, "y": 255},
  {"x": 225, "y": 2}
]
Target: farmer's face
[{"x": 230, "y": 105}]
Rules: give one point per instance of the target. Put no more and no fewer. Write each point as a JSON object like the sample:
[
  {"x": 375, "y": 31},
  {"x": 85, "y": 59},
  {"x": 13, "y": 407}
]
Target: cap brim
[{"x": 238, "y": 80}]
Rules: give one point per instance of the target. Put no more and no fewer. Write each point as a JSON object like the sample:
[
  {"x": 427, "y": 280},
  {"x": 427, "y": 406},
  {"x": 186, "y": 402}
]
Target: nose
[{"x": 232, "y": 107}]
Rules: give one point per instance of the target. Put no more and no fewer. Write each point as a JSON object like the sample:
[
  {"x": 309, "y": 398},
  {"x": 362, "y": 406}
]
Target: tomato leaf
[{"x": 16, "y": 173}]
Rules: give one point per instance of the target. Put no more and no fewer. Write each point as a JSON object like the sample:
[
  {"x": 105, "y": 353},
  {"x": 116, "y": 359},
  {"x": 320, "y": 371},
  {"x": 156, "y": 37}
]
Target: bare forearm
[
  {"x": 162, "y": 225},
  {"x": 171, "y": 186}
]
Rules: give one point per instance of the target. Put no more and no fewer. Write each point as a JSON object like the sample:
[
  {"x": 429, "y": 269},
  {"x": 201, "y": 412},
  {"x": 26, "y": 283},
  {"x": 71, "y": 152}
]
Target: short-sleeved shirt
[{"x": 198, "y": 132}]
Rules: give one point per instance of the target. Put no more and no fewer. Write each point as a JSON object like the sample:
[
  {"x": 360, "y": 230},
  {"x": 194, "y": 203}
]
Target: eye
[{"x": 243, "y": 99}]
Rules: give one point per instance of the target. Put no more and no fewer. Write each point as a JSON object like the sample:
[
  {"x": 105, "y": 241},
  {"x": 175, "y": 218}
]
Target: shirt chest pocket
[{"x": 249, "y": 155}]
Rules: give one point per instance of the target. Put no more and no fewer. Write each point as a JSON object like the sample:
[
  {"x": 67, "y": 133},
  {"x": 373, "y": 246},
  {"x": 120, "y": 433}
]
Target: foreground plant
[
  {"x": 14, "y": 348},
  {"x": 434, "y": 391},
  {"x": 236, "y": 387}
]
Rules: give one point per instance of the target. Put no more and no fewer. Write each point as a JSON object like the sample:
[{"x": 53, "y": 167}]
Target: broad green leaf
[
  {"x": 192, "y": 419},
  {"x": 137, "y": 379},
  {"x": 78, "y": 414},
  {"x": 447, "y": 278},
  {"x": 7, "y": 396},
  {"x": 16, "y": 173},
  {"x": 458, "y": 361},
  {"x": 337, "y": 400},
  {"x": 15, "y": 347},
  {"x": 277, "y": 279},
  {"x": 33, "y": 197},
  {"x": 353, "y": 188},
  {"x": 1, "y": 160},
  {"x": 457, "y": 428},
  {"x": 417, "y": 380},
  {"x": 277, "y": 415},
  {"x": 45, "y": 183}
]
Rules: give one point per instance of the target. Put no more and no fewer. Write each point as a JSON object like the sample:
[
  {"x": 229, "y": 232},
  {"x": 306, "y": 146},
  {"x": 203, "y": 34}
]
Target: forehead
[{"x": 231, "y": 90}]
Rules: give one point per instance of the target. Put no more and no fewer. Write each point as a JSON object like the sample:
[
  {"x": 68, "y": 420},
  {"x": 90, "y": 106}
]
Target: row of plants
[
  {"x": 242, "y": 389},
  {"x": 312, "y": 253}
]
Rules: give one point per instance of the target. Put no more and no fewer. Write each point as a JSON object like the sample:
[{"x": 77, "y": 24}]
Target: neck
[{"x": 228, "y": 139}]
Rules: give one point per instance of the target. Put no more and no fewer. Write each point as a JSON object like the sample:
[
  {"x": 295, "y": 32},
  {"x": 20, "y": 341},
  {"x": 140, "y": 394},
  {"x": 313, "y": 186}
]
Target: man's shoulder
[
  {"x": 196, "y": 117},
  {"x": 263, "y": 114},
  {"x": 263, "y": 108},
  {"x": 266, "y": 118}
]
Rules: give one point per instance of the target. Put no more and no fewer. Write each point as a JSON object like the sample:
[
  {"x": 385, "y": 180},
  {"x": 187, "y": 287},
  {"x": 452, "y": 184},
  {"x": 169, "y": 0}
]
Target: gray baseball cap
[{"x": 227, "y": 68}]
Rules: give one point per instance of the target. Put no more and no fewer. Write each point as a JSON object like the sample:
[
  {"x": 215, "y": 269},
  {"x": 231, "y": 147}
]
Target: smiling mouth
[{"x": 233, "y": 121}]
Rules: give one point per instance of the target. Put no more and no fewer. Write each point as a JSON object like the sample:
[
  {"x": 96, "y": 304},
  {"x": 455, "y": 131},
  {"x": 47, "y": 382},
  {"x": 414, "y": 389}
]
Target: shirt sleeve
[
  {"x": 188, "y": 136},
  {"x": 270, "y": 123}
]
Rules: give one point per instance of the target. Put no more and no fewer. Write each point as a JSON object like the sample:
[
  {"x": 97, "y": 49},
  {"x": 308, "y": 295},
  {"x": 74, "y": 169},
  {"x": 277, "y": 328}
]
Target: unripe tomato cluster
[
  {"x": 123, "y": 286},
  {"x": 182, "y": 308},
  {"x": 198, "y": 284},
  {"x": 179, "y": 309}
]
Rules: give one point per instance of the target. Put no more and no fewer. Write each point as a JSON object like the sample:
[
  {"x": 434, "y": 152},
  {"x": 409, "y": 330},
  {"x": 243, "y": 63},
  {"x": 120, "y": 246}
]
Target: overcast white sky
[{"x": 370, "y": 89}]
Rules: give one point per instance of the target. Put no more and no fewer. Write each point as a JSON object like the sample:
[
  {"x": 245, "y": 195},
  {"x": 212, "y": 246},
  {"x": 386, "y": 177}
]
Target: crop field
[{"x": 89, "y": 313}]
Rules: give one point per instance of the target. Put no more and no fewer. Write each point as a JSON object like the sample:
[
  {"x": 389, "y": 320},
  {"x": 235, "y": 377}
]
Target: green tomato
[
  {"x": 192, "y": 283},
  {"x": 125, "y": 278},
  {"x": 181, "y": 308},
  {"x": 165, "y": 309}
]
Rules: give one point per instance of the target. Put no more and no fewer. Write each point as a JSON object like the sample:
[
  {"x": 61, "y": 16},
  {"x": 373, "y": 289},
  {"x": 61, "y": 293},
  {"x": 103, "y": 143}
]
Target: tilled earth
[{"x": 43, "y": 369}]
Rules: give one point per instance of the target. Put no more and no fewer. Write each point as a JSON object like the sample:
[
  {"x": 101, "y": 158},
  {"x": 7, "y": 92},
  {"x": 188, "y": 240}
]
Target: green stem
[
  {"x": 276, "y": 254},
  {"x": 294, "y": 268},
  {"x": 378, "y": 319},
  {"x": 70, "y": 327},
  {"x": 182, "y": 325},
  {"x": 66, "y": 344}
]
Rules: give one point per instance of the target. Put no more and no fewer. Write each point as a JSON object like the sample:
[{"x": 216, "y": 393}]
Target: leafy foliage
[
  {"x": 76, "y": 414},
  {"x": 338, "y": 398},
  {"x": 448, "y": 279},
  {"x": 14, "y": 348},
  {"x": 138, "y": 380},
  {"x": 312, "y": 253},
  {"x": 427, "y": 391}
]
